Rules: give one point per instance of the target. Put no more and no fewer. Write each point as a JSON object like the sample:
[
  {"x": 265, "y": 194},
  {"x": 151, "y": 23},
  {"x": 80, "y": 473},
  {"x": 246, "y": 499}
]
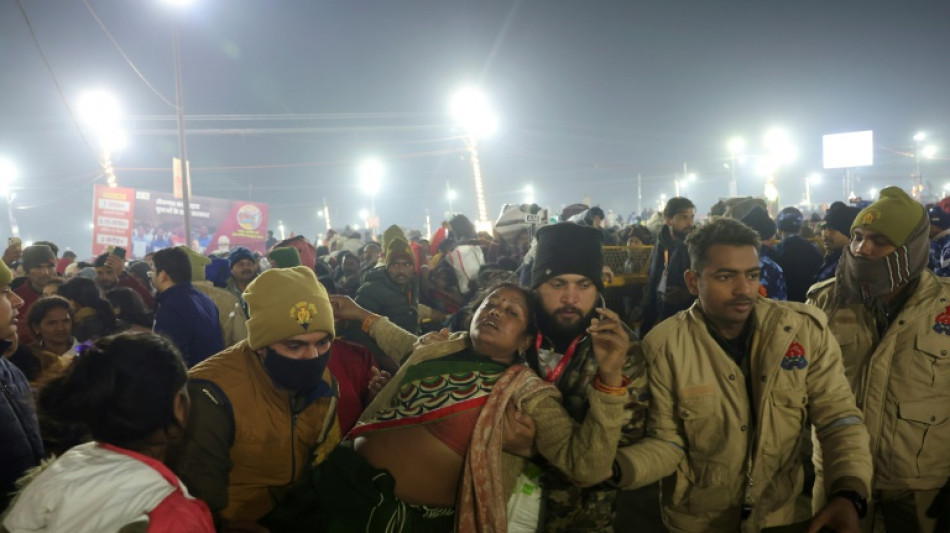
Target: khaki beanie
[
  {"x": 198, "y": 263},
  {"x": 894, "y": 215},
  {"x": 395, "y": 244},
  {"x": 285, "y": 302},
  {"x": 6, "y": 276}
]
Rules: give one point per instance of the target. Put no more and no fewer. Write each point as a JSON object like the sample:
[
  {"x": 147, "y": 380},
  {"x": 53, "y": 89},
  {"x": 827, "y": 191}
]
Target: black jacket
[
  {"x": 671, "y": 255},
  {"x": 382, "y": 296},
  {"x": 800, "y": 260},
  {"x": 20, "y": 444}
]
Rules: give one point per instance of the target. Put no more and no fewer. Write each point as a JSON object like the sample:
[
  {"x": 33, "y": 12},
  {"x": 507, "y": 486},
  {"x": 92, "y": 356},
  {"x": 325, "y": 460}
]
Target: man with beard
[
  {"x": 391, "y": 290},
  {"x": 835, "y": 235},
  {"x": 243, "y": 270},
  {"x": 110, "y": 273},
  {"x": 259, "y": 407},
  {"x": 666, "y": 292},
  {"x": 891, "y": 317},
  {"x": 39, "y": 264},
  {"x": 566, "y": 277},
  {"x": 734, "y": 382},
  {"x": 20, "y": 445}
]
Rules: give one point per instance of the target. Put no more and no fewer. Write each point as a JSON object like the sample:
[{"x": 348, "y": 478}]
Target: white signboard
[{"x": 848, "y": 150}]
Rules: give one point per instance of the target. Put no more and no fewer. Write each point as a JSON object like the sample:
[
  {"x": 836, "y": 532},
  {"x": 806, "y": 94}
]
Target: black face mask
[{"x": 298, "y": 375}]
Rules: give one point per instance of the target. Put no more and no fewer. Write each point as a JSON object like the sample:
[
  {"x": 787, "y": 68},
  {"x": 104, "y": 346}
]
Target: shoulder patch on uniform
[
  {"x": 794, "y": 357},
  {"x": 942, "y": 322}
]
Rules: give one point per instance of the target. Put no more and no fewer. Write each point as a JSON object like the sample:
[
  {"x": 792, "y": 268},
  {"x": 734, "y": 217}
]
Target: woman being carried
[{"x": 427, "y": 453}]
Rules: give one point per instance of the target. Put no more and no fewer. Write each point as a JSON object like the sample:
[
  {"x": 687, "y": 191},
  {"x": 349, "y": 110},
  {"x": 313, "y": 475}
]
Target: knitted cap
[
  {"x": 759, "y": 220},
  {"x": 840, "y": 217},
  {"x": 284, "y": 257},
  {"x": 6, "y": 276},
  {"x": 36, "y": 255},
  {"x": 198, "y": 263},
  {"x": 237, "y": 254},
  {"x": 938, "y": 217},
  {"x": 395, "y": 244},
  {"x": 894, "y": 215},
  {"x": 567, "y": 248},
  {"x": 285, "y": 302}
]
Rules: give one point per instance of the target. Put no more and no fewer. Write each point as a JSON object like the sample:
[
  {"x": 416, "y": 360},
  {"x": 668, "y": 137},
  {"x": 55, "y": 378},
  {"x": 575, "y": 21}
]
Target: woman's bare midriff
[{"x": 427, "y": 472}]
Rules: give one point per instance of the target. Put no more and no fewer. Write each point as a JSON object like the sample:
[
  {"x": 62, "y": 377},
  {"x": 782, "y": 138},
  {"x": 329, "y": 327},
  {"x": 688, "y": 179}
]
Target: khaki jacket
[
  {"x": 701, "y": 429},
  {"x": 230, "y": 313},
  {"x": 901, "y": 382},
  {"x": 247, "y": 440}
]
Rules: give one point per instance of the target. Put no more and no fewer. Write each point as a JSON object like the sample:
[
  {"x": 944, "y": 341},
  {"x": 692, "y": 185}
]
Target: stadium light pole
[
  {"x": 472, "y": 113},
  {"x": 99, "y": 111},
  {"x": 736, "y": 150},
  {"x": 371, "y": 178},
  {"x": 180, "y": 116},
  {"x": 8, "y": 175}
]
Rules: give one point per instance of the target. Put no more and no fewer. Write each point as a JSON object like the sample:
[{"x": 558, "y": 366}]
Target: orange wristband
[
  {"x": 607, "y": 389},
  {"x": 368, "y": 323}
]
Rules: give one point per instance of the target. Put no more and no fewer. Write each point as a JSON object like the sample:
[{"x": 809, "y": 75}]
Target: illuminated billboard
[
  {"x": 146, "y": 221},
  {"x": 848, "y": 150}
]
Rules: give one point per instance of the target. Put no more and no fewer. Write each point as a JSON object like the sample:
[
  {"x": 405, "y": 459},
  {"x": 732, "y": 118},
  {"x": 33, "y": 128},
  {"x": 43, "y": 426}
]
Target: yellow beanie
[
  {"x": 895, "y": 215},
  {"x": 6, "y": 276},
  {"x": 198, "y": 263},
  {"x": 285, "y": 302}
]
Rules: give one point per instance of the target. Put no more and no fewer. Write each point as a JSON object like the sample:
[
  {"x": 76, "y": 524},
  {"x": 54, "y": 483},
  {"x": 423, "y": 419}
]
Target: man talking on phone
[
  {"x": 110, "y": 273},
  {"x": 567, "y": 280}
]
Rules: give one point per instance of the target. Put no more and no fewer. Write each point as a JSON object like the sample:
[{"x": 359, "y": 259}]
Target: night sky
[{"x": 285, "y": 98}]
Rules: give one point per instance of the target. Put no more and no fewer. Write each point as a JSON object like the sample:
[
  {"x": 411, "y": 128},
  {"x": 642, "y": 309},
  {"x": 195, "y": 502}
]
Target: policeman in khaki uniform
[
  {"x": 735, "y": 380},
  {"x": 263, "y": 408},
  {"x": 891, "y": 317}
]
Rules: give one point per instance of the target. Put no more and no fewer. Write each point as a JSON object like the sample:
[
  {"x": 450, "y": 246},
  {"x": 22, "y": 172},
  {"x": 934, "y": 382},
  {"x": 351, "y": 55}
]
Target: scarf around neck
[{"x": 867, "y": 281}]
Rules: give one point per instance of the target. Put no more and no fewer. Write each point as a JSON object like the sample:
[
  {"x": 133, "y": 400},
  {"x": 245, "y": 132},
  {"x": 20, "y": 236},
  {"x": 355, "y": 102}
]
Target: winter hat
[
  {"x": 284, "y": 302},
  {"x": 939, "y": 217},
  {"x": 894, "y": 215},
  {"x": 396, "y": 245},
  {"x": 567, "y": 248},
  {"x": 840, "y": 217},
  {"x": 36, "y": 255},
  {"x": 789, "y": 220},
  {"x": 285, "y": 257},
  {"x": 217, "y": 272},
  {"x": 759, "y": 220},
  {"x": 237, "y": 254},
  {"x": 198, "y": 263},
  {"x": 6, "y": 276}
]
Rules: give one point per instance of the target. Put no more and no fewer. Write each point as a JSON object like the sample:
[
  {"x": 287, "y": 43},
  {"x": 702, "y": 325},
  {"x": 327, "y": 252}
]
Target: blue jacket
[
  {"x": 190, "y": 320},
  {"x": 829, "y": 266},
  {"x": 20, "y": 444},
  {"x": 940, "y": 256},
  {"x": 772, "y": 278}
]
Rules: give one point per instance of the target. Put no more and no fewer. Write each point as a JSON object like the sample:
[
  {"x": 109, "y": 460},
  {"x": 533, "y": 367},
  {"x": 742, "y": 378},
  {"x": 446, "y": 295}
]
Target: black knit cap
[
  {"x": 759, "y": 220},
  {"x": 840, "y": 216},
  {"x": 568, "y": 248}
]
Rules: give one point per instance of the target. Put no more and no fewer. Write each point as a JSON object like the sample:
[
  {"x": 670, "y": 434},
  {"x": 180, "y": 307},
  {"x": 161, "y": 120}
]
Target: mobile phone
[
  {"x": 119, "y": 252},
  {"x": 603, "y": 304}
]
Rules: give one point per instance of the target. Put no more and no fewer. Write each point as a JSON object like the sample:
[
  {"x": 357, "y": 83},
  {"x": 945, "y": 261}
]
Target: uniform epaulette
[{"x": 818, "y": 287}]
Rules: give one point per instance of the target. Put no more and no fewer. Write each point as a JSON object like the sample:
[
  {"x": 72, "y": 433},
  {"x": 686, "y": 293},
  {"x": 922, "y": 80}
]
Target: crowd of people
[{"x": 786, "y": 372}]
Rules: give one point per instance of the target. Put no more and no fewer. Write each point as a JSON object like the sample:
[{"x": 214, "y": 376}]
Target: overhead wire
[
  {"x": 49, "y": 68},
  {"x": 126, "y": 57}
]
